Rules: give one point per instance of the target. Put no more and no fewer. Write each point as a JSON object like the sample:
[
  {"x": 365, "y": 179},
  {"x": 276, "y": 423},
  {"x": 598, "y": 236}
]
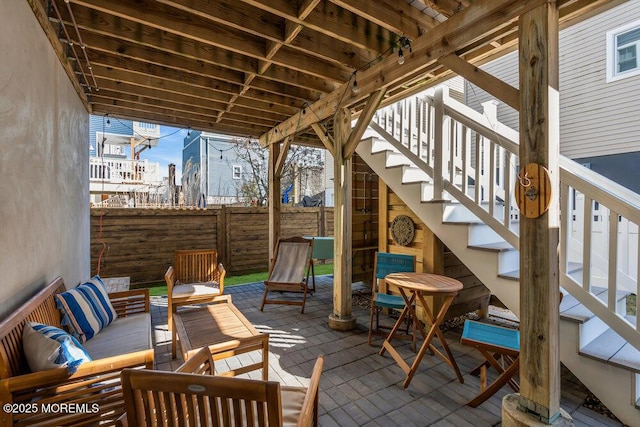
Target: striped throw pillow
[
  {"x": 48, "y": 347},
  {"x": 86, "y": 309}
]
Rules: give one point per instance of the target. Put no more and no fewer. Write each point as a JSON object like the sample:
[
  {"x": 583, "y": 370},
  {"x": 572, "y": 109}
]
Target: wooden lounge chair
[
  {"x": 192, "y": 396},
  {"x": 195, "y": 277},
  {"x": 287, "y": 274}
]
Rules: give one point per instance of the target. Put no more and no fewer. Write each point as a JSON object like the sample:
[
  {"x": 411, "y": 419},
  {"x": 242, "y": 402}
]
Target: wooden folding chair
[
  {"x": 194, "y": 396},
  {"x": 287, "y": 274},
  {"x": 494, "y": 343}
]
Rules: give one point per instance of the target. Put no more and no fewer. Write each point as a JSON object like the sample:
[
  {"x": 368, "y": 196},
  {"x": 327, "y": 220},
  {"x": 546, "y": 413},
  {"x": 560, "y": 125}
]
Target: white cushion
[
  {"x": 47, "y": 347},
  {"x": 123, "y": 335},
  {"x": 195, "y": 289},
  {"x": 292, "y": 400}
]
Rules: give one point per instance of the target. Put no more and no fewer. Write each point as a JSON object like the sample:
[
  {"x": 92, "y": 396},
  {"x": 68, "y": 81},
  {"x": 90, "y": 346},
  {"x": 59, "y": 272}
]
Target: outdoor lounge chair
[
  {"x": 287, "y": 274},
  {"x": 386, "y": 263},
  {"x": 194, "y": 396},
  {"x": 195, "y": 277}
]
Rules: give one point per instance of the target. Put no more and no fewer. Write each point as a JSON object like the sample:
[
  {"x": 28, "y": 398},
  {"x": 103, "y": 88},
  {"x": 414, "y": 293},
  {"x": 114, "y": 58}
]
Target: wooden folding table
[{"x": 418, "y": 285}]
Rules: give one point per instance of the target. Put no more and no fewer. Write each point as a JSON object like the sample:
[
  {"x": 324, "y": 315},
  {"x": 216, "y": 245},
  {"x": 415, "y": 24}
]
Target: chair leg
[
  {"x": 502, "y": 379},
  {"x": 373, "y": 308},
  {"x": 264, "y": 298},
  {"x": 304, "y": 299}
]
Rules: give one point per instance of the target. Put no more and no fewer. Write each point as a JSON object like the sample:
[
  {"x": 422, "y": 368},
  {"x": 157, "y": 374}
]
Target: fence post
[
  {"x": 221, "y": 232},
  {"x": 321, "y": 225}
]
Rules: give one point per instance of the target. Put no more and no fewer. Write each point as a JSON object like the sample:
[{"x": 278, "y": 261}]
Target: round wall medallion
[{"x": 403, "y": 230}]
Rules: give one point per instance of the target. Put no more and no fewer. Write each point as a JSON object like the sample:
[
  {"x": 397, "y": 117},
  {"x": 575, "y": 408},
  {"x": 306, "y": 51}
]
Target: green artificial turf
[{"x": 160, "y": 288}]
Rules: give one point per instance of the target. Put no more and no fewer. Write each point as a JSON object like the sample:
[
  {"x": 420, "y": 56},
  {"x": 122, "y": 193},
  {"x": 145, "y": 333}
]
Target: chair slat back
[
  {"x": 172, "y": 398},
  {"x": 386, "y": 263},
  {"x": 291, "y": 258},
  {"x": 198, "y": 265}
]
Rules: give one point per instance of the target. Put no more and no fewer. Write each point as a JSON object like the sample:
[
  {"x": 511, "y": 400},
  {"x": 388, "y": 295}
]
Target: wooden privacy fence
[{"x": 141, "y": 243}]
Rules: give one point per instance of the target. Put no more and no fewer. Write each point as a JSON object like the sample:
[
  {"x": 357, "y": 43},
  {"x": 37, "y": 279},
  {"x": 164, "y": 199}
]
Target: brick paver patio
[{"x": 359, "y": 387}]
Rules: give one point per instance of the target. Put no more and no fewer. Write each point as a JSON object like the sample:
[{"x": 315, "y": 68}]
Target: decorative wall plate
[{"x": 403, "y": 230}]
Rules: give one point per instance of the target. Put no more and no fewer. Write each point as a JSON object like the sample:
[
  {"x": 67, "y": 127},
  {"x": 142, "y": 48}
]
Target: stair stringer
[
  {"x": 615, "y": 387},
  {"x": 455, "y": 236}
]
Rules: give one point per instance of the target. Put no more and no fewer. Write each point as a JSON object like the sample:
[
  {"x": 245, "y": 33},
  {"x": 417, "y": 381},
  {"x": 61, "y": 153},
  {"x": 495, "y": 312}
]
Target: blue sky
[{"x": 169, "y": 150}]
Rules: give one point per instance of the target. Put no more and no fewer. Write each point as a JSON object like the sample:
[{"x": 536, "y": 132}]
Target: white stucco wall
[{"x": 44, "y": 164}]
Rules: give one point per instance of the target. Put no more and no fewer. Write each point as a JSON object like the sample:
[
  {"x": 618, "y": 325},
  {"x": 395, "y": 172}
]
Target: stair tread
[
  {"x": 510, "y": 275},
  {"x": 571, "y": 309},
  {"x": 604, "y": 346},
  {"x": 613, "y": 349},
  {"x": 493, "y": 247}
]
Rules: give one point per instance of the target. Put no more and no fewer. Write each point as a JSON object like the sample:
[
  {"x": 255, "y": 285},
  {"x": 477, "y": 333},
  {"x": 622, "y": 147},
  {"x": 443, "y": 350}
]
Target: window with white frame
[
  {"x": 237, "y": 172},
  {"x": 623, "y": 51}
]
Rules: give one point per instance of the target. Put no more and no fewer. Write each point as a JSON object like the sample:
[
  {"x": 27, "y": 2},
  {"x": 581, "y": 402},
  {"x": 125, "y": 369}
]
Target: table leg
[{"x": 434, "y": 330}]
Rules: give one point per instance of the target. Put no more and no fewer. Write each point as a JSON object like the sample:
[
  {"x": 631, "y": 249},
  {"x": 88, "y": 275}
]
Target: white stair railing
[{"x": 473, "y": 158}]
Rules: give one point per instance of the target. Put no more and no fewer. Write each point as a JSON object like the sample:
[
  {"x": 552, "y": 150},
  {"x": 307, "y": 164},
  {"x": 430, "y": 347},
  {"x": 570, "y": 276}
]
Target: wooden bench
[{"x": 93, "y": 392}]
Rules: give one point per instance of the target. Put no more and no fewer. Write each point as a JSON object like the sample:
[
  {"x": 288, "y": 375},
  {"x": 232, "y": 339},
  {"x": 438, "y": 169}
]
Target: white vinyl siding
[{"x": 597, "y": 117}]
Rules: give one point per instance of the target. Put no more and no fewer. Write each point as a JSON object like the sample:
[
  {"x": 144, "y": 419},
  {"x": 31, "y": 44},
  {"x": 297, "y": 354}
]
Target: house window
[
  {"x": 623, "y": 50},
  {"x": 237, "y": 172}
]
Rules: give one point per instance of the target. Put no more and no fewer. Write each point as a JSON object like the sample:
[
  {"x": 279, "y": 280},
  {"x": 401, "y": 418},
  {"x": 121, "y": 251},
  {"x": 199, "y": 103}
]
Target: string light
[
  {"x": 400, "y": 56},
  {"x": 108, "y": 120},
  {"x": 354, "y": 87},
  {"x": 403, "y": 42}
]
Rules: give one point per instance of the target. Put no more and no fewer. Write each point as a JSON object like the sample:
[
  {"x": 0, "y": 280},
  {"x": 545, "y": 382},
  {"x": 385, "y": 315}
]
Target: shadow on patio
[{"x": 358, "y": 386}]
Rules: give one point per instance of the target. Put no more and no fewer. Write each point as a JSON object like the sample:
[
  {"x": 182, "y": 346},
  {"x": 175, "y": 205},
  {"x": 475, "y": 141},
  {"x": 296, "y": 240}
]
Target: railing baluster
[
  {"x": 463, "y": 156},
  {"x": 586, "y": 243},
  {"x": 452, "y": 150},
  {"x": 438, "y": 144},
  {"x": 613, "y": 259},
  {"x": 507, "y": 188},
  {"x": 492, "y": 177},
  {"x": 478, "y": 168},
  {"x": 565, "y": 218}
]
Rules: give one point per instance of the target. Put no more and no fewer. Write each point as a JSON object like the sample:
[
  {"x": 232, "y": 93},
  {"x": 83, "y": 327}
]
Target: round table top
[{"x": 425, "y": 282}]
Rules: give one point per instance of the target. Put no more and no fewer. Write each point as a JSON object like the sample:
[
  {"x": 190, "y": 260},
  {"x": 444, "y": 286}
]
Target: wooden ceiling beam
[
  {"x": 151, "y": 84},
  {"x": 334, "y": 22},
  {"x": 397, "y": 16},
  {"x": 324, "y": 136},
  {"x": 444, "y": 39},
  {"x": 494, "y": 86},
  {"x": 172, "y": 20},
  {"x": 363, "y": 122},
  {"x": 173, "y": 120},
  {"x": 277, "y": 31},
  {"x": 180, "y": 49}
]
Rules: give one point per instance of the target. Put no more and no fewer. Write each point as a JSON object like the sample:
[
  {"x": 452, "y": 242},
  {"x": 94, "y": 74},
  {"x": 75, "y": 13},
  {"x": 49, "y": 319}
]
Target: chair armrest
[
  {"x": 221, "y": 272},
  {"x": 130, "y": 302},
  {"x": 95, "y": 383},
  {"x": 309, "y": 411}
]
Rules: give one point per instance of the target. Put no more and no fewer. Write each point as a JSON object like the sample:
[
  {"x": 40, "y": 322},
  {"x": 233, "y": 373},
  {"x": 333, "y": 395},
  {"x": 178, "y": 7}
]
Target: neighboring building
[
  {"x": 116, "y": 175},
  {"x": 599, "y": 93},
  {"x": 212, "y": 172}
]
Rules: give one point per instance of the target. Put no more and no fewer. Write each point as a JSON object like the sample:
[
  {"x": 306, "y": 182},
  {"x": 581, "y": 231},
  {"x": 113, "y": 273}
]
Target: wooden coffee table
[{"x": 224, "y": 329}]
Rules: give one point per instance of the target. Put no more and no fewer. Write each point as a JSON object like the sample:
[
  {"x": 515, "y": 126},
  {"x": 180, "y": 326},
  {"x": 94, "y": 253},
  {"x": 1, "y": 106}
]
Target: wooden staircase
[{"x": 477, "y": 221}]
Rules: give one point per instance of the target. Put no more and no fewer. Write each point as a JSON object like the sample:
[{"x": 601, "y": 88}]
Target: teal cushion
[
  {"x": 389, "y": 301},
  {"x": 48, "y": 347},
  {"x": 86, "y": 309}
]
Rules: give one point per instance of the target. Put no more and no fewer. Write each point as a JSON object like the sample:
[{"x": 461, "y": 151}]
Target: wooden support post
[
  {"x": 342, "y": 319},
  {"x": 383, "y": 216},
  {"x": 275, "y": 199},
  {"x": 539, "y": 237}
]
